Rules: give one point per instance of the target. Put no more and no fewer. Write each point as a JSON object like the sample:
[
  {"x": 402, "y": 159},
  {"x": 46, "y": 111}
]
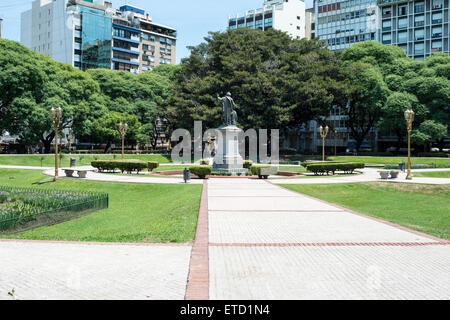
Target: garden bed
[{"x": 27, "y": 208}]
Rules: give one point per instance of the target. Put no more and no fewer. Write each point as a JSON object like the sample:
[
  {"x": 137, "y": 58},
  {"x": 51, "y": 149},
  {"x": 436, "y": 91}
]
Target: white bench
[{"x": 81, "y": 172}]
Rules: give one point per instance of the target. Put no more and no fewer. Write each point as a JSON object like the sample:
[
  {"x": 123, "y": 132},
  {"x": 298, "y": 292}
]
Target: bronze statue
[{"x": 228, "y": 109}]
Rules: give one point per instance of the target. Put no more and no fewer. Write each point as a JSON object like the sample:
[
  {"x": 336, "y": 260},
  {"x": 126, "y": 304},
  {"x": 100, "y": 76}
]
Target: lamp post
[
  {"x": 323, "y": 133},
  {"x": 70, "y": 140},
  {"x": 409, "y": 117},
  {"x": 123, "y": 131},
  {"x": 56, "y": 115}
]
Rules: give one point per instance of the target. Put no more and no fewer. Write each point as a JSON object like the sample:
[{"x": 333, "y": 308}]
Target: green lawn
[
  {"x": 439, "y": 162},
  {"x": 433, "y": 174},
  {"x": 292, "y": 168},
  {"x": 137, "y": 212},
  {"x": 423, "y": 208},
  {"x": 49, "y": 160}
]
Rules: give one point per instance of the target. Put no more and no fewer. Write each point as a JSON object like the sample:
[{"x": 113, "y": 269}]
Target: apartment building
[
  {"x": 343, "y": 23},
  {"x": 283, "y": 15},
  {"x": 310, "y": 25},
  {"x": 1, "y": 27},
  {"x": 91, "y": 34},
  {"x": 421, "y": 28}
]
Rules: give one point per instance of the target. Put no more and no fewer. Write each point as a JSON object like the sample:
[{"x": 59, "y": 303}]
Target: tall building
[
  {"x": 91, "y": 34},
  {"x": 343, "y": 23},
  {"x": 421, "y": 27},
  {"x": 310, "y": 25},
  {"x": 1, "y": 27},
  {"x": 283, "y": 15}
]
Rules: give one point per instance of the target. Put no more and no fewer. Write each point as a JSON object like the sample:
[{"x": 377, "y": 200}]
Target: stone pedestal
[{"x": 227, "y": 158}]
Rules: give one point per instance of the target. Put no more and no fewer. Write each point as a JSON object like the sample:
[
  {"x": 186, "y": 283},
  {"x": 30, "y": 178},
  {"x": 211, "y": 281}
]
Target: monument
[{"x": 227, "y": 157}]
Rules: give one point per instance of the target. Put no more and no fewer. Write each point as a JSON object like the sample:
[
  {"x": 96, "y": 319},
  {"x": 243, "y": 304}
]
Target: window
[
  {"x": 436, "y": 32},
  {"x": 419, "y": 48},
  {"x": 161, "y": 60},
  {"x": 77, "y": 51},
  {"x": 419, "y": 21},
  {"x": 250, "y": 25},
  {"x": 386, "y": 38},
  {"x": 436, "y": 46},
  {"x": 419, "y": 7},
  {"x": 402, "y": 36},
  {"x": 78, "y": 40},
  {"x": 402, "y": 23},
  {"x": 437, "y": 4},
  {"x": 419, "y": 34},
  {"x": 436, "y": 17},
  {"x": 168, "y": 61},
  {"x": 402, "y": 10},
  {"x": 387, "y": 25},
  {"x": 386, "y": 12},
  {"x": 169, "y": 42}
]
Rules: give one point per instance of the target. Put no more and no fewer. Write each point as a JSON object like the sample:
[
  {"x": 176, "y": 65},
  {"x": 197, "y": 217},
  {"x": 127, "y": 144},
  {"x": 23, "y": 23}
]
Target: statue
[{"x": 228, "y": 109}]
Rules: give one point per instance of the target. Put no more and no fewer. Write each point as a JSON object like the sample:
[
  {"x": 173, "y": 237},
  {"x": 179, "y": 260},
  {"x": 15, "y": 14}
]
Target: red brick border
[
  {"x": 198, "y": 279},
  {"x": 367, "y": 217},
  {"x": 333, "y": 244}
]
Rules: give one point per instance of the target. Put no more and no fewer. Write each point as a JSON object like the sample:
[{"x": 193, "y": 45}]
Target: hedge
[
  {"x": 152, "y": 165},
  {"x": 263, "y": 171},
  {"x": 123, "y": 165},
  {"x": 247, "y": 164},
  {"x": 305, "y": 164},
  {"x": 201, "y": 170},
  {"x": 434, "y": 154},
  {"x": 325, "y": 168}
]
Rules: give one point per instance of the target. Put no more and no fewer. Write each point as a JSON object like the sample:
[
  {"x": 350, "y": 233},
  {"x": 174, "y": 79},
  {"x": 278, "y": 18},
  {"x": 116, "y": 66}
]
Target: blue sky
[{"x": 192, "y": 19}]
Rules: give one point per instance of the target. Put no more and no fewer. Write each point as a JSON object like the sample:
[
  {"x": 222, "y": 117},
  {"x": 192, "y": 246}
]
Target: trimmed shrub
[
  {"x": 201, "y": 171},
  {"x": 305, "y": 164},
  {"x": 123, "y": 165},
  {"x": 204, "y": 162},
  {"x": 247, "y": 164},
  {"x": 326, "y": 168},
  {"x": 152, "y": 165},
  {"x": 434, "y": 154},
  {"x": 263, "y": 171}
]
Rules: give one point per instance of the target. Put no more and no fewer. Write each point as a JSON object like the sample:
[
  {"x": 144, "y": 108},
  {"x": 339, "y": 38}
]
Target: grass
[
  {"x": 49, "y": 160},
  {"x": 137, "y": 212},
  {"x": 439, "y": 162},
  {"x": 433, "y": 174},
  {"x": 424, "y": 208},
  {"x": 292, "y": 169}
]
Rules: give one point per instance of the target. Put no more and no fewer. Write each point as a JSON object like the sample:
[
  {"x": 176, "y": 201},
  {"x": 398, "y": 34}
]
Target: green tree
[
  {"x": 275, "y": 81},
  {"x": 430, "y": 131},
  {"x": 393, "y": 119}
]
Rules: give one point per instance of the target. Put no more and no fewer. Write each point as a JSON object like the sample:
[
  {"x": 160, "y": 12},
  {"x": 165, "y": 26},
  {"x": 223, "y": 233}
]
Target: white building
[{"x": 283, "y": 15}]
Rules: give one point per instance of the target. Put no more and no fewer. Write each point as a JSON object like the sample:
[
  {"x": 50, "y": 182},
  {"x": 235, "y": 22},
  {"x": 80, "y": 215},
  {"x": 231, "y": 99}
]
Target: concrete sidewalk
[{"x": 266, "y": 242}]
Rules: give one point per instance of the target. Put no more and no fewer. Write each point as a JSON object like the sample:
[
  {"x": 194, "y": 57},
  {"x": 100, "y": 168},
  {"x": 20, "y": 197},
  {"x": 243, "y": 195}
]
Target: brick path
[
  {"x": 254, "y": 240},
  {"x": 270, "y": 243}
]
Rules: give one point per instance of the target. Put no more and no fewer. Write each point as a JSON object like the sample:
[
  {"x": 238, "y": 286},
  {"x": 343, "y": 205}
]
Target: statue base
[{"x": 227, "y": 158}]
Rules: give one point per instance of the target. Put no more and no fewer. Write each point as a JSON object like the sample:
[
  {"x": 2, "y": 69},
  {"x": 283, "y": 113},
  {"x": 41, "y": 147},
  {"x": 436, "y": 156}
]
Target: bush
[
  {"x": 201, "y": 171},
  {"x": 263, "y": 171},
  {"x": 152, "y": 165},
  {"x": 247, "y": 164},
  {"x": 326, "y": 168},
  {"x": 204, "y": 162},
  {"x": 305, "y": 164},
  {"x": 433, "y": 154},
  {"x": 123, "y": 165}
]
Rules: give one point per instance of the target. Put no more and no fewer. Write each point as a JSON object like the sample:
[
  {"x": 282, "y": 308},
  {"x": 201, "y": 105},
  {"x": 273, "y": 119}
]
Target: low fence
[{"x": 33, "y": 207}]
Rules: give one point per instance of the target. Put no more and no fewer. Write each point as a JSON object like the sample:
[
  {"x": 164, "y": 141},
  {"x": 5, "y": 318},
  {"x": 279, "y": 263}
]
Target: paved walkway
[
  {"x": 266, "y": 242},
  {"x": 254, "y": 240}
]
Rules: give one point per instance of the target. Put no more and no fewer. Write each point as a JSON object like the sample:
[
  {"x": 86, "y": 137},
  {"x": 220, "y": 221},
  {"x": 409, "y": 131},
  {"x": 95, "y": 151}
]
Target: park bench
[{"x": 81, "y": 171}]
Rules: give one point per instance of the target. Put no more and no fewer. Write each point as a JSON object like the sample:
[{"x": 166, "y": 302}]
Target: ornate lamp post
[
  {"x": 56, "y": 115},
  {"x": 123, "y": 131},
  {"x": 323, "y": 134},
  {"x": 409, "y": 117}
]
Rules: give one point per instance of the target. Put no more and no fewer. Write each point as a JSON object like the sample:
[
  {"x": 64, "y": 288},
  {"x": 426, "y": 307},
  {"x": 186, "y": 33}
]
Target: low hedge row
[
  {"x": 306, "y": 164},
  {"x": 201, "y": 170},
  {"x": 263, "y": 171},
  {"x": 247, "y": 164},
  {"x": 326, "y": 168},
  {"x": 124, "y": 165},
  {"x": 433, "y": 154}
]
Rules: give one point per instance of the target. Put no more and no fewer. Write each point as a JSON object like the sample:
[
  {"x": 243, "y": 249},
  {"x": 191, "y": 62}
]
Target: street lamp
[
  {"x": 123, "y": 131},
  {"x": 56, "y": 115},
  {"x": 70, "y": 140},
  {"x": 323, "y": 134},
  {"x": 409, "y": 117}
]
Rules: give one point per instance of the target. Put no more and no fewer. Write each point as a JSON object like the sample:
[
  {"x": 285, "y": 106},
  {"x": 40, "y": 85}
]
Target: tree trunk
[{"x": 47, "y": 142}]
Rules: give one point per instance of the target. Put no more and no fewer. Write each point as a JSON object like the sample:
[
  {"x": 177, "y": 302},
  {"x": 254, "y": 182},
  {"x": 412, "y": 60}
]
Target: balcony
[
  {"x": 386, "y": 29},
  {"x": 386, "y": 41},
  {"x": 434, "y": 50},
  {"x": 436, "y": 21},
  {"x": 436, "y": 35},
  {"x": 419, "y": 23},
  {"x": 419, "y": 52},
  {"x": 387, "y": 15}
]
